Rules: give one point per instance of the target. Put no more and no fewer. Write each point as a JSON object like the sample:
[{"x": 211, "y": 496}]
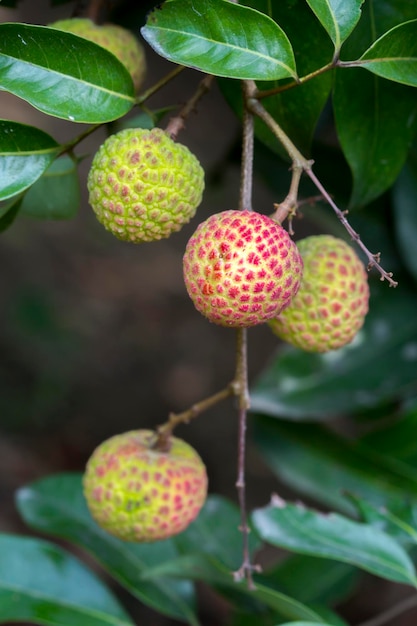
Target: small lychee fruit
[
  {"x": 144, "y": 186},
  {"x": 116, "y": 39},
  {"x": 241, "y": 268},
  {"x": 137, "y": 492},
  {"x": 333, "y": 299}
]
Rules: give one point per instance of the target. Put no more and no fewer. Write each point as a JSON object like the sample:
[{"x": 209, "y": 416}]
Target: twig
[
  {"x": 177, "y": 123},
  {"x": 393, "y": 612},
  {"x": 245, "y": 202},
  {"x": 246, "y": 181},
  {"x": 295, "y": 83},
  {"x": 246, "y": 569},
  {"x": 373, "y": 259},
  {"x": 164, "y": 431},
  {"x": 299, "y": 161},
  {"x": 158, "y": 85}
]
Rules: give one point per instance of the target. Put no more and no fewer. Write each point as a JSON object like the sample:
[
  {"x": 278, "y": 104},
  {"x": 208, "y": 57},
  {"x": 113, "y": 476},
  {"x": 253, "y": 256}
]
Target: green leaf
[
  {"x": 399, "y": 524},
  {"x": 337, "y": 18},
  {"x": 300, "y": 385},
  {"x": 220, "y": 38},
  {"x": 25, "y": 153},
  {"x": 404, "y": 194},
  {"x": 305, "y": 531},
  {"x": 9, "y": 210},
  {"x": 219, "y": 541},
  {"x": 396, "y": 437},
  {"x": 394, "y": 55},
  {"x": 56, "y": 195},
  {"x": 56, "y": 505},
  {"x": 298, "y": 109},
  {"x": 313, "y": 580},
  {"x": 79, "y": 80},
  {"x": 386, "y": 114},
  {"x": 41, "y": 583},
  {"x": 203, "y": 567},
  {"x": 317, "y": 462}
]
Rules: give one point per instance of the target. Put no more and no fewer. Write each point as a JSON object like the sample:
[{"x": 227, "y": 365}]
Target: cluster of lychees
[{"x": 241, "y": 268}]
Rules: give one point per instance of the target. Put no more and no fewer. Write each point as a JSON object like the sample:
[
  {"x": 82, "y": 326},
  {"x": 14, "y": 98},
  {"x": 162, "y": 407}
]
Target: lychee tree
[{"x": 325, "y": 96}]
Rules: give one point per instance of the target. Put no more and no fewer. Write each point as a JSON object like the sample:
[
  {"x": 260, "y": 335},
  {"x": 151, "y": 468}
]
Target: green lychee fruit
[
  {"x": 332, "y": 302},
  {"x": 139, "y": 493},
  {"x": 241, "y": 268},
  {"x": 144, "y": 186},
  {"x": 117, "y": 40}
]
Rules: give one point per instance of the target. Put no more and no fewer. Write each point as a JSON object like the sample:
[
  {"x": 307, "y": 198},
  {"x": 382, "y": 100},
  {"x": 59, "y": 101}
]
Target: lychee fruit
[
  {"x": 144, "y": 186},
  {"x": 138, "y": 492},
  {"x": 241, "y": 268},
  {"x": 117, "y": 40},
  {"x": 333, "y": 299}
]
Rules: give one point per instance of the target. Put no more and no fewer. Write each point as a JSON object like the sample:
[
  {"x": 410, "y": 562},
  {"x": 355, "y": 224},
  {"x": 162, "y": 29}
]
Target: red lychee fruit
[
  {"x": 333, "y": 299},
  {"x": 241, "y": 268},
  {"x": 140, "y": 493}
]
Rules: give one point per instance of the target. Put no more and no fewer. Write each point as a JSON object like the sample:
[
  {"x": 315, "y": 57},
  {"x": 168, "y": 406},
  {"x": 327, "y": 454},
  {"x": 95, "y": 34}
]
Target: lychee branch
[
  {"x": 300, "y": 163},
  {"x": 165, "y": 430},
  {"x": 246, "y": 569},
  {"x": 158, "y": 85},
  {"x": 246, "y": 182},
  {"x": 177, "y": 123}
]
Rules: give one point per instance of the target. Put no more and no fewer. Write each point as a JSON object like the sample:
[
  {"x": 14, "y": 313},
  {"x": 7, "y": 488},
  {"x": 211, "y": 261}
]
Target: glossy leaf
[
  {"x": 298, "y": 109},
  {"x": 56, "y": 195},
  {"x": 56, "y": 505},
  {"x": 405, "y": 216},
  {"x": 42, "y": 584},
  {"x": 322, "y": 465},
  {"x": 333, "y": 536},
  {"x": 25, "y": 153},
  {"x": 81, "y": 81},
  {"x": 385, "y": 112},
  {"x": 220, "y": 38},
  {"x": 337, "y": 18},
  {"x": 394, "y": 55},
  {"x": 301, "y": 385}
]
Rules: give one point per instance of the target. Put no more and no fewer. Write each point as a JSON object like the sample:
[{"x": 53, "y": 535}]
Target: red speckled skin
[
  {"x": 241, "y": 268},
  {"x": 333, "y": 300},
  {"x": 141, "y": 494}
]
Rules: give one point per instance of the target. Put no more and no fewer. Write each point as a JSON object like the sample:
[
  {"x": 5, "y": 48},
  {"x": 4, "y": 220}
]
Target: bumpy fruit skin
[
  {"x": 117, "y": 40},
  {"x": 332, "y": 302},
  {"x": 241, "y": 268},
  {"x": 144, "y": 186},
  {"x": 138, "y": 493}
]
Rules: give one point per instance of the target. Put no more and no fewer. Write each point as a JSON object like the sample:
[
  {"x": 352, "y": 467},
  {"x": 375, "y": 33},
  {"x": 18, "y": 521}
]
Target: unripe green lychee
[
  {"x": 332, "y": 302},
  {"x": 241, "y": 268},
  {"x": 117, "y": 40},
  {"x": 143, "y": 185},
  {"x": 139, "y": 493}
]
